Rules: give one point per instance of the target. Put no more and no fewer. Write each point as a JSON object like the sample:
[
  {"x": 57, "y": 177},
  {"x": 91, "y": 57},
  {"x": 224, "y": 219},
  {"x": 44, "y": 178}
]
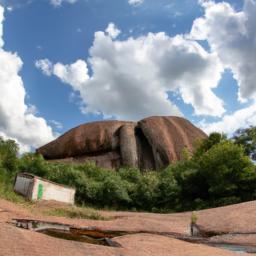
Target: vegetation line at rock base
[
  {"x": 76, "y": 213},
  {"x": 6, "y": 188},
  {"x": 220, "y": 172}
]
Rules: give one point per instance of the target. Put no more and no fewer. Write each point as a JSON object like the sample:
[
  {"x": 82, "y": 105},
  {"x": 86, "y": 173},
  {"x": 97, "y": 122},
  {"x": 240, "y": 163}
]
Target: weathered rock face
[
  {"x": 168, "y": 136},
  {"x": 152, "y": 143}
]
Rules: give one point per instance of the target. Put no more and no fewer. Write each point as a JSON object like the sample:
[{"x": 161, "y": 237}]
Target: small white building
[{"x": 35, "y": 188}]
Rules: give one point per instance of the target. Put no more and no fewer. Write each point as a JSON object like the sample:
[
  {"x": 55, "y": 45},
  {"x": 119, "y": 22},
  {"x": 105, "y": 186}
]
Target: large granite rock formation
[{"x": 152, "y": 143}]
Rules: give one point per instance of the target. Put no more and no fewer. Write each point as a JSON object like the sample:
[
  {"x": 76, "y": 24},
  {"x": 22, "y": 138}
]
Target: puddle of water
[
  {"x": 236, "y": 248},
  {"x": 231, "y": 247},
  {"x": 69, "y": 236},
  {"x": 96, "y": 233},
  {"x": 202, "y": 237},
  {"x": 99, "y": 237},
  {"x": 91, "y": 236}
]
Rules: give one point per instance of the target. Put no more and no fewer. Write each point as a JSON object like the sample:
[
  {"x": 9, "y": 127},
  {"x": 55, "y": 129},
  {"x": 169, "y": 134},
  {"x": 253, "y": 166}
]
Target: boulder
[
  {"x": 168, "y": 137},
  {"x": 152, "y": 143},
  {"x": 86, "y": 139}
]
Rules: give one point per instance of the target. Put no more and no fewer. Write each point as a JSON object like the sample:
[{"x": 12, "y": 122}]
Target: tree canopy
[{"x": 247, "y": 138}]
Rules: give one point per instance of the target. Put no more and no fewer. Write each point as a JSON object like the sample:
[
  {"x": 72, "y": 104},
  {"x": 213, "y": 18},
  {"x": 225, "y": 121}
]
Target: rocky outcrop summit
[{"x": 151, "y": 143}]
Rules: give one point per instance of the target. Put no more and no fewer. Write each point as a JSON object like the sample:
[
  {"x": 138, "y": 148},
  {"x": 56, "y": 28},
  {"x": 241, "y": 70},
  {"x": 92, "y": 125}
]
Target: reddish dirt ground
[{"x": 239, "y": 218}]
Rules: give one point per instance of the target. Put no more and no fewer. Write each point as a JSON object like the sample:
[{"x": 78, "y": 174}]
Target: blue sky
[{"x": 156, "y": 58}]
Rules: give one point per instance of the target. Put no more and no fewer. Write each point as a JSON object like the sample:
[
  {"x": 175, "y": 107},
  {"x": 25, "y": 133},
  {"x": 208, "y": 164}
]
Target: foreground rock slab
[
  {"x": 151, "y": 238},
  {"x": 18, "y": 242}
]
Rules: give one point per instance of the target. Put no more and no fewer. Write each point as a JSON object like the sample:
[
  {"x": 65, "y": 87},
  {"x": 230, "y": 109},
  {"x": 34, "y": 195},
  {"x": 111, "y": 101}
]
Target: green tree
[
  {"x": 217, "y": 175},
  {"x": 169, "y": 190},
  {"x": 247, "y": 138},
  {"x": 114, "y": 192},
  {"x": 33, "y": 163},
  {"x": 147, "y": 191},
  {"x": 205, "y": 144},
  {"x": 223, "y": 167},
  {"x": 8, "y": 154}
]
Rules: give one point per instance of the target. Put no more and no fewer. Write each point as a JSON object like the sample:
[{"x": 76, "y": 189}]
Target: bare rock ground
[{"x": 151, "y": 238}]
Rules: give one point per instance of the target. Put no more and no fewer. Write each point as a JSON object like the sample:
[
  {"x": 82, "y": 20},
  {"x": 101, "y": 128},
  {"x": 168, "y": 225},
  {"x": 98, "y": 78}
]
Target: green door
[{"x": 40, "y": 192}]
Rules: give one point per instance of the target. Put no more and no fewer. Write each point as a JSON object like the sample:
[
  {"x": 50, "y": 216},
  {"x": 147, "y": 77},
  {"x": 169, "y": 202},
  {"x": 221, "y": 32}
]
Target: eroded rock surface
[
  {"x": 152, "y": 143},
  {"x": 150, "y": 232}
]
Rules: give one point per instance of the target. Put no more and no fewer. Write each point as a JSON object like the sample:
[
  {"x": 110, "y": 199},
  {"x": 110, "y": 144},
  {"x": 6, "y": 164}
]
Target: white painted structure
[{"x": 36, "y": 188}]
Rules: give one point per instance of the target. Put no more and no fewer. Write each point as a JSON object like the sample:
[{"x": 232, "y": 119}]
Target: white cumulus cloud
[
  {"x": 17, "y": 119},
  {"x": 131, "y": 79},
  {"x": 59, "y": 2},
  {"x": 135, "y": 2},
  {"x": 56, "y": 124},
  {"x": 230, "y": 123},
  {"x": 45, "y": 65},
  {"x": 112, "y": 30},
  {"x": 75, "y": 74},
  {"x": 232, "y": 35}
]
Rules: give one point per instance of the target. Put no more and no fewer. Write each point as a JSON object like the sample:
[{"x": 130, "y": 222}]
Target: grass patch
[
  {"x": 6, "y": 189},
  {"x": 194, "y": 218},
  {"x": 76, "y": 213}
]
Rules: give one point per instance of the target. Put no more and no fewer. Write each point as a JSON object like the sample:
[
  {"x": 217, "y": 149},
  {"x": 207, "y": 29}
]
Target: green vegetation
[
  {"x": 76, "y": 213},
  {"x": 194, "y": 218},
  {"x": 6, "y": 188},
  {"x": 8, "y": 168},
  {"x": 247, "y": 138},
  {"x": 8, "y": 155},
  {"x": 215, "y": 175},
  {"x": 219, "y": 172}
]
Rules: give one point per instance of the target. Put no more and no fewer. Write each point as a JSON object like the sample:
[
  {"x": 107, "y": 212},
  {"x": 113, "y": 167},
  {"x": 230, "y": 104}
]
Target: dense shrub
[
  {"x": 6, "y": 187},
  {"x": 33, "y": 163},
  {"x": 247, "y": 138},
  {"x": 223, "y": 167},
  {"x": 169, "y": 190},
  {"x": 146, "y": 192},
  {"x": 218, "y": 175},
  {"x": 8, "y": 154}
]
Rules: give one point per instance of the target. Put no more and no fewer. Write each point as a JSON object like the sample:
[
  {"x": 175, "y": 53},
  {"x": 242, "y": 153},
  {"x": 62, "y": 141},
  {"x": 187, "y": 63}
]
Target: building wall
[
  {"x": 24, "y": 186},
  {"x": 52, "y": 191}
]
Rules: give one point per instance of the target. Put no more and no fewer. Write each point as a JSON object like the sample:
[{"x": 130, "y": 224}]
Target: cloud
[
  {"x": 230, "y": 123},
  {"x": 75, "y": 74},
  {"x": 60, "y": 2},
  {"x": 232, "y": 35},
  {"x": 56, "y": 124},
  {"x": 135, "y": 2},
  {"x": 131, "y": 79},
  {"x": 10, "y": 8},
  {"x": 112, "y": 30},
  {"x": 45, "y": 65},
  {"x": 17, "y": 119}
]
